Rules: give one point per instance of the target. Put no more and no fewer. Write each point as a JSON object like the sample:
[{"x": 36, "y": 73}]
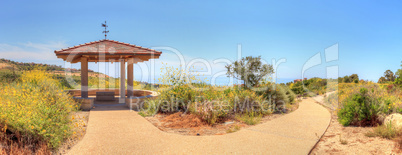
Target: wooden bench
[{"x": 105, "y": 96}]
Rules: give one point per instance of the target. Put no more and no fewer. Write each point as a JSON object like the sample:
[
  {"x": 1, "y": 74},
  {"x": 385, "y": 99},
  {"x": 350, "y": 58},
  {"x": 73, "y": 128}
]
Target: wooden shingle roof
[{"x": 106, "y": 51}]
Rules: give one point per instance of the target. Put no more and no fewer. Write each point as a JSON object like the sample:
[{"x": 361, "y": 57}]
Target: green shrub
[
  {"x": 297, "y": 88},
  {"x": 37, "y": 108},
  {"x": 277, "y": 95},
  {"x": 360, "y": 109},
  {"x": 317, "y": 86},
  {"x": 281, "y": 94},
  {"x": 291, "y": 95},
  {"x": 248, "y": 101},
  {"x": 7, "y": 76}
]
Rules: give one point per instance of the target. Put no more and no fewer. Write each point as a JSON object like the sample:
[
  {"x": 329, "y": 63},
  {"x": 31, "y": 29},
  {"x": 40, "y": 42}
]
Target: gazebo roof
[{"x": 106, "y": 51}]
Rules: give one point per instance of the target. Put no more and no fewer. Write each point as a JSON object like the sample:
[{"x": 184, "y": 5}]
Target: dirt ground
[
  {"x": 352, "y": 140},
  {"x": 80, "y": 121},
  {"x": 190, "y": 124}
]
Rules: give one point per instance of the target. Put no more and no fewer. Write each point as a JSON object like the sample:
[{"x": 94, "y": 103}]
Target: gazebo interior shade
[{"x": 107, "y": 51}]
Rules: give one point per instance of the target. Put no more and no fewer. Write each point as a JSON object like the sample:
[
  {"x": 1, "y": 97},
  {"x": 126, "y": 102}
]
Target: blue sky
[{"x": 368, "y": 33}]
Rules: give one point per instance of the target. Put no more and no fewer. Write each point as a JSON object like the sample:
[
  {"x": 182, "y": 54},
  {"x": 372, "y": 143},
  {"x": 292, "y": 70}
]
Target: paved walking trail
[{"x": 116, "y": 130}]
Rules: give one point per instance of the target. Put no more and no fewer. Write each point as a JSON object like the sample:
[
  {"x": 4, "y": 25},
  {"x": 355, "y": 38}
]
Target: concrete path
[{"x": 116, "y": 130}]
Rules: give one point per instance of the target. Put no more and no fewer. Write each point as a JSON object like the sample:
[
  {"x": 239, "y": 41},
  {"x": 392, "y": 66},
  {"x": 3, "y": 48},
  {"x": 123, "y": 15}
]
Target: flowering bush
[
  {"x": 36, "y": 107},
  {"x": 365, "y": 103},
  {"x": 184, "y": 92},
  {"x": 360, "y": 109}
]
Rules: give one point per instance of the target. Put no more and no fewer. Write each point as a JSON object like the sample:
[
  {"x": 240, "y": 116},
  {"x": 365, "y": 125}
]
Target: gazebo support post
[
  {"x": 122, "y": 81},
  {"x": 130, "y": 77},
  {"x": 84, "y": 77}
]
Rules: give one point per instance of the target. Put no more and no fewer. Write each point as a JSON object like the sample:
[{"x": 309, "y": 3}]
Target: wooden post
[
  {"x": 130, "y": 77},
  {"x": 122, "y": 80},
  {"x": 84, "y": 77}
]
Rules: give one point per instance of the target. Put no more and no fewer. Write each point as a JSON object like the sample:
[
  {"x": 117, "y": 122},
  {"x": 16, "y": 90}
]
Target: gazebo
[{"x": 108, "y": 51}]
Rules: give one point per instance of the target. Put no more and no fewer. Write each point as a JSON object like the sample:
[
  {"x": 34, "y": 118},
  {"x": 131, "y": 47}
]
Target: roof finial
[{"x": 105, "y": 32}]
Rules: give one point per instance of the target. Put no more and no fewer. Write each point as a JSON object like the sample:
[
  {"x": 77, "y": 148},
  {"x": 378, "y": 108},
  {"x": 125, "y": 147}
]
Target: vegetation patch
[
  {"x": 186, "y": 101},
  {"x": 216, "y": 104},
  {"x": 360, "y": 109},
  {"x": 365, "y": 104},
  {"x": 233, "y": 129},
  {"x": 36, "y": 107},
  {"x": 385, "y": 131},
  {"x": 249, "y": 119}
]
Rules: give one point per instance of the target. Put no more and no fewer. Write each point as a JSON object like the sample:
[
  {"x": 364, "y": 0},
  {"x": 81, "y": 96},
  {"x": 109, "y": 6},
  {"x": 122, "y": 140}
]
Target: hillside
[{"x": 13, "y": 66}]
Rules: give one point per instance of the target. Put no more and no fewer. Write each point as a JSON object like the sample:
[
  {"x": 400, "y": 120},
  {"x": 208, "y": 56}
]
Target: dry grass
[
  {"x": 342, "y": 141},
  {"x": 233, "y": 129},
  {"x": 249, "y": 120},
  {"x": 385, "y": 131},
  {"x": 14, "y": 143}
]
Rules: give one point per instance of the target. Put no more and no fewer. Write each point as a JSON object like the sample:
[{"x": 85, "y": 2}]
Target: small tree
[
  {"x": 354, "y": 78},
  {"x": 250, "y": 70},
  {"x": 381, "y": 80},
  {"x": 346, "y": 79},
  {"x": 340, "y": 79},
  {"x": 389, "y": 75}
]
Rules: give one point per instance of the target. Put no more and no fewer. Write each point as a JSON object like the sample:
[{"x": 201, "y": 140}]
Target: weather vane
[{"x": 105, "y": 32}]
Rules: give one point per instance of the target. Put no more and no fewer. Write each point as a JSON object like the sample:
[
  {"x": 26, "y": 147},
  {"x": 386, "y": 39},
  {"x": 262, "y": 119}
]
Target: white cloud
[{"x": 31, "y": 51}]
